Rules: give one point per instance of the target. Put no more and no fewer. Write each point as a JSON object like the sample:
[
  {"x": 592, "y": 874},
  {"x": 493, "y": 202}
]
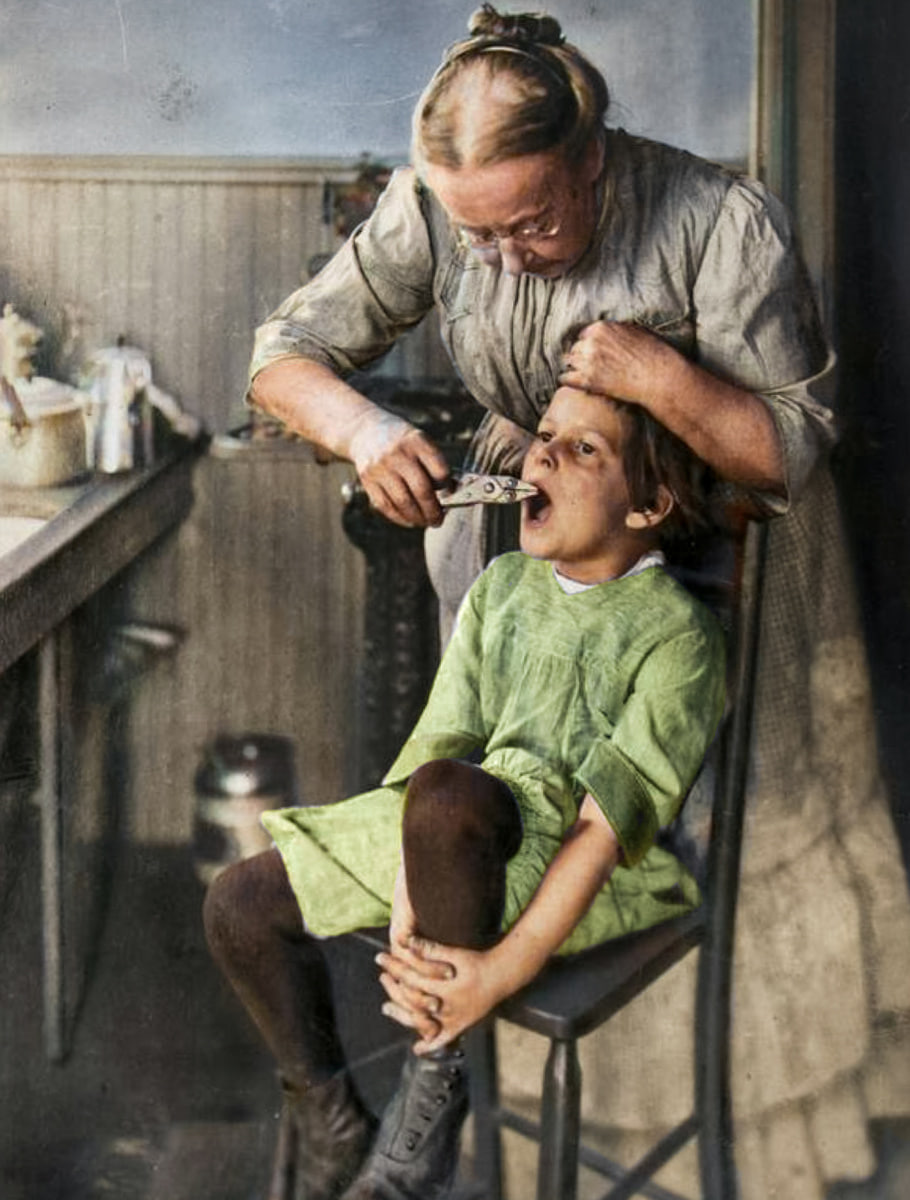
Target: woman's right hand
[{"x": 399, "y": 468}]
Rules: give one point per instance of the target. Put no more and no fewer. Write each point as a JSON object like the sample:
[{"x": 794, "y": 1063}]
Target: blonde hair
[{"x": 513, "y": 87}]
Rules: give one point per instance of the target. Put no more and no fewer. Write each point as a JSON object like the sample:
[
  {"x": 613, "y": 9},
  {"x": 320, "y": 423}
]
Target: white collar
[{"x": 652, "y": 558}]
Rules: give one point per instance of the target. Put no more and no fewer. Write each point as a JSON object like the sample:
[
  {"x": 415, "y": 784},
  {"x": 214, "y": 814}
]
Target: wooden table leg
[{"x": 51, "y": 805}]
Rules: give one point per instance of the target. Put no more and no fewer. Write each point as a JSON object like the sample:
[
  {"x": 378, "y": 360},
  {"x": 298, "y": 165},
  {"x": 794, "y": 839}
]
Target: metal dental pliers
[{"x": 485, "y": 489}]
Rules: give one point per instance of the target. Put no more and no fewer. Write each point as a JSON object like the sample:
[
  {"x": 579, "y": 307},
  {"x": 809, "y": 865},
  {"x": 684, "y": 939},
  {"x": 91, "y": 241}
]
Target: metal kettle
[{"x": 121, "y": 421}]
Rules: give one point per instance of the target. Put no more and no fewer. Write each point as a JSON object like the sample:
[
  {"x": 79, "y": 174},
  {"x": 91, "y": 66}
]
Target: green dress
[{"x": 615, "y": 691}]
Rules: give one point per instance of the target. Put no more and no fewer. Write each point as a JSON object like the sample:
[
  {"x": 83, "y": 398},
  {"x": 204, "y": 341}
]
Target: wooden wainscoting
[
  {"x": 184, "y": 258},
  {"x": 269, "y": 592}
]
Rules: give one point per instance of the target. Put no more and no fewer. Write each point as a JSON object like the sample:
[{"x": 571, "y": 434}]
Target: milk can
[{"x": 239, "y": 779}]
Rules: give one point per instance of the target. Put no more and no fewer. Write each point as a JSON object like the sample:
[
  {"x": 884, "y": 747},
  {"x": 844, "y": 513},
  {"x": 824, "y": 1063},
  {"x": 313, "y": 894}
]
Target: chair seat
[{"x": 575, "y": 994}]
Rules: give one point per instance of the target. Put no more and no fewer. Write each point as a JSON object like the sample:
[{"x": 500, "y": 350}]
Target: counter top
[{"x": 91, "y": 531}]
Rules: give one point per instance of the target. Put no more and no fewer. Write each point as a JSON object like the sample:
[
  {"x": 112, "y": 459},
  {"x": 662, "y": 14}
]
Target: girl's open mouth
[{"x": 535, "y": 509}]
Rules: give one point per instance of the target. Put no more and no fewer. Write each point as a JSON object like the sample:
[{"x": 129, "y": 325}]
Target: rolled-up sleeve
[
  {"x": 758, "y": 327},
  {"x": 377, "y": 285},
  {"x": 640, "y": 772}
]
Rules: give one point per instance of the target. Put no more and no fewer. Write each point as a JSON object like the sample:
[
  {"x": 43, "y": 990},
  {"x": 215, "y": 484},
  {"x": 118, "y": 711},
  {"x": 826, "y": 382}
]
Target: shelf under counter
[{"x": 89, "y": 532}]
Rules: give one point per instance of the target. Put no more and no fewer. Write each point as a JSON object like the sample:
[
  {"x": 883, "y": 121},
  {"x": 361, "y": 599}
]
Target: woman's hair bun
[{"x": 537, "y": 28}]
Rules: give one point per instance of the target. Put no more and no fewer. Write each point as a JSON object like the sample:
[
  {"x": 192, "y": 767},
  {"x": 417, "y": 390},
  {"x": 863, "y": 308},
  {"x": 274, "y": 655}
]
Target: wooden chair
[{"x": 574, "y": 996}]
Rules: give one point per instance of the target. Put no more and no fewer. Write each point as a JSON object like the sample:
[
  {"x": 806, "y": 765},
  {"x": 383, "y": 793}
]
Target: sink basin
[
  {"x": 14, "y": 530},
  {"x": 25, "y": 511}
]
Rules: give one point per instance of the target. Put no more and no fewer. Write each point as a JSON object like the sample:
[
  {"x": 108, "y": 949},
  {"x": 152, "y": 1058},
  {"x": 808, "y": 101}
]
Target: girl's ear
[{"x": 650, "y": 518}]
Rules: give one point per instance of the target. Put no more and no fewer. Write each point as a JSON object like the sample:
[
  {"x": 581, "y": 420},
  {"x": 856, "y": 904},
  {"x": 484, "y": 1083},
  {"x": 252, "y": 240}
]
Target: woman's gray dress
[{"x": 706, "y": 259}]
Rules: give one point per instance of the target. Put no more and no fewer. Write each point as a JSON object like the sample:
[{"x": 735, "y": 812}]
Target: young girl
[{"x": 584, "y": 685}]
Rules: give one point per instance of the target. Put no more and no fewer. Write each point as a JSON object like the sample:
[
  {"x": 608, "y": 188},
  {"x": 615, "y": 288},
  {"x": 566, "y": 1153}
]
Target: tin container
[{"x": 240, "y": 778}]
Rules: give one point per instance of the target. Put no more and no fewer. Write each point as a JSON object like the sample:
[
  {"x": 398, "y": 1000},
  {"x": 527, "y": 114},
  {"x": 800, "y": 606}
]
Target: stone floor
[
  {"x": 165, "y": 1080},
  {"x": 167, "y": 1094}
]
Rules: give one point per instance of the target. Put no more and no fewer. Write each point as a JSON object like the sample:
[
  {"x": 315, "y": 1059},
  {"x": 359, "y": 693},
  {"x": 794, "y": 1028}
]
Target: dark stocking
[
  {"x": 256, "y": 936},
  {"x": 461, "y": 826}
]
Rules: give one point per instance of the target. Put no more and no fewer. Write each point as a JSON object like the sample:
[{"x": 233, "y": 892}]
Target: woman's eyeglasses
[{"x": 530, "y": 231}]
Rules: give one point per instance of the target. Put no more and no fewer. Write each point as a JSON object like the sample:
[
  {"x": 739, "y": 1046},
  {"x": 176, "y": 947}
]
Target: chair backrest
[{"x": 713, "y": 1004}]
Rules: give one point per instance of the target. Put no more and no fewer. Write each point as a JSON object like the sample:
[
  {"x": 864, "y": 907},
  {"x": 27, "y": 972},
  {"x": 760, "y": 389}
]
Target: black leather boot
[
  {"x": 416, "y": 1151},
  {"x": 324, "y": 1135}
]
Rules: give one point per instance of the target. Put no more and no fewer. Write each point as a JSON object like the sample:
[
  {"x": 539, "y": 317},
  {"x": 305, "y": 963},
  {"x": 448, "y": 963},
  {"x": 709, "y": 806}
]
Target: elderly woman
[
  {"x": 554, "y": 250},
  {"x": 557, "y": 250}
]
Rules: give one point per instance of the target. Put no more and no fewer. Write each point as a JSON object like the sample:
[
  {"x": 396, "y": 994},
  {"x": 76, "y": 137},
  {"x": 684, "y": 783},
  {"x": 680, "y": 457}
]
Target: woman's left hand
[
  {"x": 457, "y": 987},
  {"x": 626, "y": 362}
]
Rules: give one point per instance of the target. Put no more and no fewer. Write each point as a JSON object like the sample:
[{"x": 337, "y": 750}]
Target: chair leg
[
  {"x": 713, "y": 1104},
  {"x": 560, "y": 1123},
  {"x": 719, "y": 1179},
  {"x": 483, "y": 1073}
]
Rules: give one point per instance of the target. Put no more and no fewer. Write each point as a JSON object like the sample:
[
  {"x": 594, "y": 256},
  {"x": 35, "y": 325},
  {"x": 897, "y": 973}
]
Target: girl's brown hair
[
  {"x": 541, "y": 94},
  {"x": 652, "y": 455}
]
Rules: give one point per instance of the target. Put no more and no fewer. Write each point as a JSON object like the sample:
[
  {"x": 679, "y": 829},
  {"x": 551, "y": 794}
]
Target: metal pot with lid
[
  {"x": 42, "y": 421},
  {"x": 42, "y": 433}
]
